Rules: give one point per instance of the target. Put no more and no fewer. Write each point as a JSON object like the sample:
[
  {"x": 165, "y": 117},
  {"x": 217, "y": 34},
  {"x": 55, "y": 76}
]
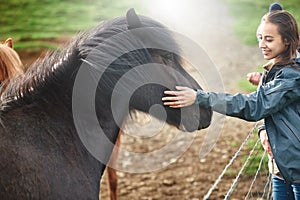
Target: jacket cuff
[
  {"x": 260, "y": 128},
  {"x": 202, "y": 98}
]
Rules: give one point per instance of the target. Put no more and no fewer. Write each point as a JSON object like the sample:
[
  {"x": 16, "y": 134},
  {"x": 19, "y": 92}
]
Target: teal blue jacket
[{"x": 277, "y": 101}]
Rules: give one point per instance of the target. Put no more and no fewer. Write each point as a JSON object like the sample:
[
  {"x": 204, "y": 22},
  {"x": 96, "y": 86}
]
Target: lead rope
[{"x": 218, "y": 180}]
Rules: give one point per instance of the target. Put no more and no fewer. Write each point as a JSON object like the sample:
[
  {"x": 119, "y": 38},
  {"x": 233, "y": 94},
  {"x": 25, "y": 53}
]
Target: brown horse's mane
[
  {"x": 10, "y": 63},
  {"x": 27, "y": 86}
]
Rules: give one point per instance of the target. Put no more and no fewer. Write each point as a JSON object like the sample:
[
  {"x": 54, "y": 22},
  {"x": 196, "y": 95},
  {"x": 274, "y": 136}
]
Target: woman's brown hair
[{"x": 288, "y": 29}]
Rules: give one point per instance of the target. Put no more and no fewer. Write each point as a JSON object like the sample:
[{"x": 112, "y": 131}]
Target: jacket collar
[{"x": 270, "y": 73}]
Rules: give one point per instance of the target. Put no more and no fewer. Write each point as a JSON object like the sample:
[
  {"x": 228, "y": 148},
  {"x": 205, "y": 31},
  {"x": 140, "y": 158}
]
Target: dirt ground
[{"x": 189, "y": 175}]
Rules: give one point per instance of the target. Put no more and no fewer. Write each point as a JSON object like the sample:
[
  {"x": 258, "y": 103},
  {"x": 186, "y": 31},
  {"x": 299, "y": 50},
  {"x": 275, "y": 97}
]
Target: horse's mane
[
  {"x": 10, "y": 63},
  {"x": 47, "y": 76}
]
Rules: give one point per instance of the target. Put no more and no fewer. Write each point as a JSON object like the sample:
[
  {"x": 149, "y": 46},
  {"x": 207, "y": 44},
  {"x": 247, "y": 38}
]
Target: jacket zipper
[{"x": 296, "y": 136}]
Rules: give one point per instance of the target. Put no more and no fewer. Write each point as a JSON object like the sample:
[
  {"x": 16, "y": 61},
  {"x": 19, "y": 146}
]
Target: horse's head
[
  {"x": 144, "y": 62},
  {"x": 164, "y": 73}
]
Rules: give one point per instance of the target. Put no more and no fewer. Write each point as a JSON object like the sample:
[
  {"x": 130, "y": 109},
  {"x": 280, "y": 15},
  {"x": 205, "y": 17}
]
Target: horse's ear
[
  {"x": 133, "y": 20},
  {"x": 8, "y": 42}
]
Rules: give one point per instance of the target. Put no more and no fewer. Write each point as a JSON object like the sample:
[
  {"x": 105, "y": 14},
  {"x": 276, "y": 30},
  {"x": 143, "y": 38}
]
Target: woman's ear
[
  {"x": 286, "y": 42},
  {"x": 8, "y": 42}
]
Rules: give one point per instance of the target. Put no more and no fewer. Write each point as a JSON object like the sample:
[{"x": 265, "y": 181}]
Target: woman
[
  {"x": 281, "y": 190},
  {"x": 277, "y": 99},
  {"x": 10, "y": 63}
]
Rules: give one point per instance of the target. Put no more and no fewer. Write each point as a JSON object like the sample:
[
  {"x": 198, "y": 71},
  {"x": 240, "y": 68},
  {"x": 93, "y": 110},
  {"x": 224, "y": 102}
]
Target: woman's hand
[
  {"x": 184, "y": 96},
  {"x": 254, "y": 78},
  {"x": 265, "y": 142}
]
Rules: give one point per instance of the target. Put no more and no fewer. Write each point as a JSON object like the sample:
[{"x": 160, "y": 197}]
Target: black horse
[{"x": 48, "y": 115}]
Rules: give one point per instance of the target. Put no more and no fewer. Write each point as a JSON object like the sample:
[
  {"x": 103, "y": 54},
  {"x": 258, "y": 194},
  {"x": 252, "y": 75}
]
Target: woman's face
[{"x": 270, "y": 41}]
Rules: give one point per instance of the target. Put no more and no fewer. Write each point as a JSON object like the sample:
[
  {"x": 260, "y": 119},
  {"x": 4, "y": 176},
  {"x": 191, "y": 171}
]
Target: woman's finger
[{"x": 172, "y": 98}]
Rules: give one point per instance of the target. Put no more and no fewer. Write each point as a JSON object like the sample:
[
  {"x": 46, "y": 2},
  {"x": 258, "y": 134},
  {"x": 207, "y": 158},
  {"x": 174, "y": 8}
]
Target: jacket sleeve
[{"x": 267, "y": 99}]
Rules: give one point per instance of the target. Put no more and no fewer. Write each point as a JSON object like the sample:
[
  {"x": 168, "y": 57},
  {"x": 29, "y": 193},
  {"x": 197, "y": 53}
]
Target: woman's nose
[{"x": 261, "y": 44}]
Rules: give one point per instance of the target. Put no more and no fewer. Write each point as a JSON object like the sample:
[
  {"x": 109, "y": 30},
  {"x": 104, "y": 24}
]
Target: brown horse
[
  {"x": 112, "y": 177},
  {"x": 60, "y": 120}
]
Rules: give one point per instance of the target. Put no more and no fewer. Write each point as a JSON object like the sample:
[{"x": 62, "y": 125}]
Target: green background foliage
[
  {"x": 32, "y": 22},
  {"x": 247, "y": 14}
]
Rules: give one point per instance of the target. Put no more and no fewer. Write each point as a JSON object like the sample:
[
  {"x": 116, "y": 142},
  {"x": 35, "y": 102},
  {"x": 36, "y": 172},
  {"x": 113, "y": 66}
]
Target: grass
[
  {"x": 254, "y": 161},
  {"x": 245, "y": 85},
  {"x": 30, "y": 21}
]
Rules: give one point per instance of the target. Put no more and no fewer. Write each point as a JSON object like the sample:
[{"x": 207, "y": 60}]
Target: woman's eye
[{"x": 259, "y": 39}]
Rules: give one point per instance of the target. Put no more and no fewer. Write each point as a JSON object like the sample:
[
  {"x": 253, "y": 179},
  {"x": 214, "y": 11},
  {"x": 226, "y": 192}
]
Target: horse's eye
[{"x": 168, "y": 56}]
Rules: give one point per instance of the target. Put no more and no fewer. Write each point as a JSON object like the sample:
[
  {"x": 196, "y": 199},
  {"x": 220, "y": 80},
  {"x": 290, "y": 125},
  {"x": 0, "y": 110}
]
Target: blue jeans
[{"x": 283, "y": 191}]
